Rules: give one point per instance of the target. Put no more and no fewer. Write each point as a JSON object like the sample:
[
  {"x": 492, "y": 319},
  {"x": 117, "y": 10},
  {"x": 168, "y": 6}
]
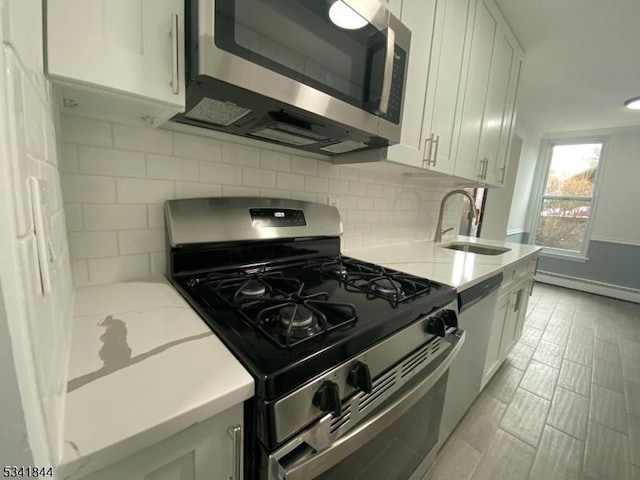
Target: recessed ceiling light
[
  {"x": 345, "y": 17},
  {"x": 633, "y": 103}
]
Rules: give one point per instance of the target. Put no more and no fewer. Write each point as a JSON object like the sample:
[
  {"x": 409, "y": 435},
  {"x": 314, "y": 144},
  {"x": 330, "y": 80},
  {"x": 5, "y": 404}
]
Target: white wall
[
  {"x": 519, "y": 216},
  {"x": 39, "y": 325},
  {"x": 117, "y": 177},
  {"x": 617, "y": 217}
]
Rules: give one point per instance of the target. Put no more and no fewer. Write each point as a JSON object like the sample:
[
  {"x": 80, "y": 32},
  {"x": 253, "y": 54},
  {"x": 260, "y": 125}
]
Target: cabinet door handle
[
  {"x": 486, "y": 168},
  {"x": 518, "y": 300},
  {"x": 175, "y": 55},
  {"x": 483, "y": 162},
  {"x": 427, "y": 151},
  {"x": 435, "y": 152},
  {"x": 504, "y": 170},
  {"x": 236, "y": 436}
]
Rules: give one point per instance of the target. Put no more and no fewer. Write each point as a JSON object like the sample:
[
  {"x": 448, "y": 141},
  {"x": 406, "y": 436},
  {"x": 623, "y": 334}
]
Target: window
[{"x": 567, "y": 199}]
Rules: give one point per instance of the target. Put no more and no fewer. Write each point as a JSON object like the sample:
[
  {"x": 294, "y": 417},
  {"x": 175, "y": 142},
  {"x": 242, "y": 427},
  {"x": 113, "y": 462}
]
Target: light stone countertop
[
  {"x": 143, "y": 367},
  {"x": 428, "y": 259}
]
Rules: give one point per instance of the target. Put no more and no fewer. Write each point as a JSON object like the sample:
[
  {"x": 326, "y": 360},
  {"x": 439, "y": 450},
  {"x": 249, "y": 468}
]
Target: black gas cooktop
[{"x": 289, "y": 321}]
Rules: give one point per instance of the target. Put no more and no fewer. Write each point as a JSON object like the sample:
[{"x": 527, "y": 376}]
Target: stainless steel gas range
[{"x": 350, "y": 359}]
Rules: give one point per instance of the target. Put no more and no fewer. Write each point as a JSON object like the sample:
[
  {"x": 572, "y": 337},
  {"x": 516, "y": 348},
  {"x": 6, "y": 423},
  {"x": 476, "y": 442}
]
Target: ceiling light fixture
[
  {"x": 343, "y": 16},
  {"x": 633, "y": 103}
]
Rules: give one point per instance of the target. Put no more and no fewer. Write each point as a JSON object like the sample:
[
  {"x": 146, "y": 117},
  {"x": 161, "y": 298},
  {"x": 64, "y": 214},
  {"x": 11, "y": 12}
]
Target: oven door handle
[
  {"x": 352, "y": 441},
  {"x": 387, "y": 78}
]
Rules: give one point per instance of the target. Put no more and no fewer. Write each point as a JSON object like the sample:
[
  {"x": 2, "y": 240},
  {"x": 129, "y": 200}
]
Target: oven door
[
  {"x": 397, "y": 440},
  {"x": 291, "y": 51}
]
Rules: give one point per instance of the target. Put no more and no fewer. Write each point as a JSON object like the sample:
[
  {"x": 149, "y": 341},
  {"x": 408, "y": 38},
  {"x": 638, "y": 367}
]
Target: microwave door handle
[
  {"x": 388, "y": 71},
  {"x": 360, "y": 435}
]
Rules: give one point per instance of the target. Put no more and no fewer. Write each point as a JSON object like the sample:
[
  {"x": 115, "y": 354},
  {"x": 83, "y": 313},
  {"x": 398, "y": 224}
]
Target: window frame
[{"x": 546, "y": 153}]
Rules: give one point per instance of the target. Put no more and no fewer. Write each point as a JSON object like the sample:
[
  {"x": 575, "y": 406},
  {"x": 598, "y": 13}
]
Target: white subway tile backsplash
[
  {"x": 270, "y": 193},
  {"x": 69, "y": 158},
  {"x": 132, "y": 190},
  {"x": 316, "y": 184},
  {"x": 80, "y": 272},
  {"x": 256, "y": 177},
  {"x": 347, "y": 173},
  {"x": 86, "y": 131},
  {"x": 355, "y": 216},
  {"x": 172, "y": 168},
  {"x": 158, "y": 264},
  {"x": 155, "y": 216},
  {"x": 118, "y": 269},
  {"x": 114, "y": 217},
  {"x": 270, "y": 160},
  {"x": 198, "y": 148},
  {"x": 141, "y": 241},
  {"x": 73, "y": 216},
  {"x": 339, "y": 187},
  {"x": 197, "y": 190},
  {"x": 375, "y": 209},
  {"x": 88, "y": 189},
  {"x": 374, "y": 190},
  {"x": 329, "y": 170},
  {"x": 365, "y": 203},
  {"x": 240, "y": 154},
  {"x": 107, "y": 161},
  {"x": 304, "y": 166},
  {"x": 357, "y": 188},
  {"x": 222, "y": 174},
  {"x": 236, "y": 191},
  {"x": 304, "y": 196},
  {"x": 93, "y": 244},
  {"x": 149, "y": 140},
  {"x": 290, "y": 181}
]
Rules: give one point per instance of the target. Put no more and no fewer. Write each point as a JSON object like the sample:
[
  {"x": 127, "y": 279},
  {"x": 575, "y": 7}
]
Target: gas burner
[
  {"x": 253, "y": 289},
  {"x": 296, "y": 316},
  {"x": 338, "y": 270},
  {"x": 387, "y": 287}
]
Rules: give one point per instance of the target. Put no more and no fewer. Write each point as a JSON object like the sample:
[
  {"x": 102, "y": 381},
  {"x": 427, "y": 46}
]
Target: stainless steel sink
[{"x": 476, "y": 248}]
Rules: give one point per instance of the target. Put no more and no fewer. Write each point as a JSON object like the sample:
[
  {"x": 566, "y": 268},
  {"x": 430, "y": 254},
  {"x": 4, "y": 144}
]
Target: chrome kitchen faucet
[{"x": 438, "y": 235}]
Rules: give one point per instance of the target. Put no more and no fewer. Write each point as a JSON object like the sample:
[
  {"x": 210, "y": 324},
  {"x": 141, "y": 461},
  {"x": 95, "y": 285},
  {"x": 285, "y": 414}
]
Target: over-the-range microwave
[{"x": 326, "y": 76}]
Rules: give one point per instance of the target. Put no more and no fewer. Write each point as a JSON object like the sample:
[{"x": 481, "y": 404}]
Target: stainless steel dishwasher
[{"x": 477, "y": 307}]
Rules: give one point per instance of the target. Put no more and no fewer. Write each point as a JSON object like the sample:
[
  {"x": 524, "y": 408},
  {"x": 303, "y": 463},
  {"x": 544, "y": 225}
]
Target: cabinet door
[
  {"x": 475, "y": 92},
  {"x": 441, "y": 112},
  {"x": 500, "y": 171},
  {"x": 496, "y": 122},
  {"x": 494, "y": 359},
  {"x": 134, "y": 47},
  {"x": 418, "y": 16},
  {"x": 205, "y": 451},
  {"x": 509, "y": 332}
]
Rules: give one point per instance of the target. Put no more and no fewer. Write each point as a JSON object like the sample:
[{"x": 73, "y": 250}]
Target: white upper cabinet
[
  {"x": 441, "y": 115},
  {"x": 488, "y": 110},
  {"x": 118, "y": 58},
  {"x": 475, "y": 93},
  {"x": 418, "y": 16}
]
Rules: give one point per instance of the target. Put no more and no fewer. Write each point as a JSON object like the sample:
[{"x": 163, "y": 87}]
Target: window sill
[{"x": 564, "y": 256}]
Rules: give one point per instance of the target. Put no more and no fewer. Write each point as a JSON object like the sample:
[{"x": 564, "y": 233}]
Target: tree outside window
[{"x": 568, "y": 196}]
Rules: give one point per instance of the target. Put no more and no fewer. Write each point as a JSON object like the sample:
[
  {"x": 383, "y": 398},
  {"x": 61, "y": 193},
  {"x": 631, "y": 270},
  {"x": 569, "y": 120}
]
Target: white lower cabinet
[
  {"x": 210, "y": 450},
  {"x": 510, "y": 314}
]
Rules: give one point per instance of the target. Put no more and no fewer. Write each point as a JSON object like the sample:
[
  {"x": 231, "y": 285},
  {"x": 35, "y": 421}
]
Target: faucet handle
[{"x": 446, "y": 230}]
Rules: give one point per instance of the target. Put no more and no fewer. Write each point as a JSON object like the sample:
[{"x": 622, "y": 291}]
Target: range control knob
[
  {"x": 360, "y": 377},
  {"x": 327, "y": 398},
  {"x": 450, "y": 318},
  {"x": 436, "y": 326}
]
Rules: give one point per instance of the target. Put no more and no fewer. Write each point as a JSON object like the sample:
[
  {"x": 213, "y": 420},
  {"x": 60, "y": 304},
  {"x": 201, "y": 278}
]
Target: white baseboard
[{"x": 590, "y": 286}]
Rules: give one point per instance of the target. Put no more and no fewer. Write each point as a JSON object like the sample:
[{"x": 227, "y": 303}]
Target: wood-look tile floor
[{"x": 566, "y": 402}]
